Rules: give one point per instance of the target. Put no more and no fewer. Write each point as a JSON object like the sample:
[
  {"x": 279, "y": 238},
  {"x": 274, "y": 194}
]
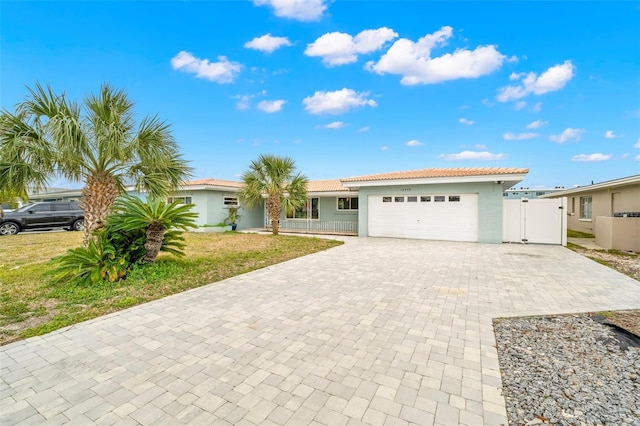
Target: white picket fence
[{"x": 317, "y": 226}]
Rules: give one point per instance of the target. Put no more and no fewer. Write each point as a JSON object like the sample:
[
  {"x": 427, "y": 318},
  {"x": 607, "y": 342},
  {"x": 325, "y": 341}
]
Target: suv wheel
[
  {"x": 78, "y": 225},
  {"x": 9, "y": 228}
]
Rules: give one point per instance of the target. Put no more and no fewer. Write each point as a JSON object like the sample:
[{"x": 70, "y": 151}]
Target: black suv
[{"x": 58, "y": 214}]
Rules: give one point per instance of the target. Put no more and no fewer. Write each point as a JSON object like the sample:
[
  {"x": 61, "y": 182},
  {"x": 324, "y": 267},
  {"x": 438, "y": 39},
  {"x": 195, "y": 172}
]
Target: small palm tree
[
  {"x": 274, "y": 177},
  {"x": 156, "y": 217},
  {"x": 98, "y": 143}
]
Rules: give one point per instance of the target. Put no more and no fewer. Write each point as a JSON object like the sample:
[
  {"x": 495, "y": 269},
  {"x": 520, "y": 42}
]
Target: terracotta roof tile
[
  {"x": 437, "y": 173},
  {"x": 325, "y": 186},
  {"x": 214, "y": 182}
]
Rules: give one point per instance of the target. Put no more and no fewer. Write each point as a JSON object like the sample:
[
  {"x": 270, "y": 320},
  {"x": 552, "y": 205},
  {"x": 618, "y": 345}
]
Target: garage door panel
[{"x": 448, "y": 220}]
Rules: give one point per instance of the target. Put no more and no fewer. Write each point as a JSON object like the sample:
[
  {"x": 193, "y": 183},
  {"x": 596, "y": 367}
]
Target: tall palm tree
[
  {"x": 98, "y": 143},
  {"x": 274, "y": 177}
]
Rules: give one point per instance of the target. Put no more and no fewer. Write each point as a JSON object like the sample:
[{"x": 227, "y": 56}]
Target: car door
[
  {"x": 62, "y": 214},
  {"x": 40, "y": 216}
]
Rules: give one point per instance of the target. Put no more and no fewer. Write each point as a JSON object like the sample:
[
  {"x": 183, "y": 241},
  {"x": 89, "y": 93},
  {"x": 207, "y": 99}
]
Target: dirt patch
[
  {"x": 627, "y": 263},
  {"x": 11, "y": 332},
  {"x": 628, "y": 320}
]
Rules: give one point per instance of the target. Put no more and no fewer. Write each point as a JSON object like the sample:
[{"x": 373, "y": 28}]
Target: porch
[{"x": 314, "y": 226}]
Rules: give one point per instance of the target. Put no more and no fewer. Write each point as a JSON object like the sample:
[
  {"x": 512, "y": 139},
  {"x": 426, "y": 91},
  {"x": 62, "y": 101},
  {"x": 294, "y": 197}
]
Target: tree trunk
[
  {"x": 99, "y": 193},
  {"x": 153, "y": 243},
  {"x": 274, "y": 208}
]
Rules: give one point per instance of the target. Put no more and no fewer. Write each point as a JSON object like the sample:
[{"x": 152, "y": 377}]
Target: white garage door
[{"x": 449, "y": 217}]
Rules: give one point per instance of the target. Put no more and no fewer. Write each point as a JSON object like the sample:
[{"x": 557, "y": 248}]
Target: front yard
[{"x": 30, "y": 305}]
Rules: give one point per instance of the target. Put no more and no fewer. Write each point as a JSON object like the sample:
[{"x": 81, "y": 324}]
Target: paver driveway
[{"x": 378, "y": 331}]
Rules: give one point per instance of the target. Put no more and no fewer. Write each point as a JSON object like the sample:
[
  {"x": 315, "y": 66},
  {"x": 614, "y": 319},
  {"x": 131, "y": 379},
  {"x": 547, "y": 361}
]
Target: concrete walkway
[{"x": 378, "y": 331}]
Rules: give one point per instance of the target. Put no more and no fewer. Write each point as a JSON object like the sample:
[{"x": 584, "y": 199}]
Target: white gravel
[{"x": 567, "y": 370}]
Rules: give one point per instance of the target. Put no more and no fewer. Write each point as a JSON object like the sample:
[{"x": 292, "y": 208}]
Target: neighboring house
[
  {"x": 55, "y": 194},
  {"x": 610, "y": 210},
  {"x": 532, "y": 194}
]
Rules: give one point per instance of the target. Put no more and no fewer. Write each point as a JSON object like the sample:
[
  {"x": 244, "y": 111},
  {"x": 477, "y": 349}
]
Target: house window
[
  {"x": 425, "y": 199},
  {"x": 348, "y": 203},
  {"x": 308, "y": 211},
  {"x": 181, "y": 200},
  {"x": 386, "y": 199},
  {"x": 230, "y": 201},
  {"x": 412, "y": 199},
  {"x": 454, "y": 198},
  {"x": 585, "y": 208},
  {"x": 399, "y": 200},
  {"x": 439, "y": 199}
]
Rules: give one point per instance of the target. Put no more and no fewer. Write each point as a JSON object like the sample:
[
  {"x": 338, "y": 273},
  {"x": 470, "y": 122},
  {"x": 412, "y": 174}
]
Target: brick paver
[{"x": 378, "y": 331}]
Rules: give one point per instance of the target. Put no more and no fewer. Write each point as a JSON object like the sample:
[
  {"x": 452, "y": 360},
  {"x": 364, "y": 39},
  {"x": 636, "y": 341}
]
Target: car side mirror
[{"x": 30, "y": 211}]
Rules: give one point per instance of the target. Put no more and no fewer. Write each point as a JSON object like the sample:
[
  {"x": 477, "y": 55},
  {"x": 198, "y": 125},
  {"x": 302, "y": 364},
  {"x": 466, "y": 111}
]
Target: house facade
[
  {"x": 435, "y": 204},
  {"x": 610, "y": 210}
]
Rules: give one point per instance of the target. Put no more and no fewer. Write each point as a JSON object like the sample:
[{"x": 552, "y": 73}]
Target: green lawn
[
  {"x": 31, "y": 305},
  {"x": 578, "y": 234}
]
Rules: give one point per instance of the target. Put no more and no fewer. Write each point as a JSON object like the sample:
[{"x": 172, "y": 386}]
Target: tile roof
[
  {"x": 437, "y": 173},
  {"x": 325, "y": 186},
  {"x": 214, "y": 182}
]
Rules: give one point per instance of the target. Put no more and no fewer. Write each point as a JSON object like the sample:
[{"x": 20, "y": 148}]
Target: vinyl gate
[{"x": 537, "y": 221}]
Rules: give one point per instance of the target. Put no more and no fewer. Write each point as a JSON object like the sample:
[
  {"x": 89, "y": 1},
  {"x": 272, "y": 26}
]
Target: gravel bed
[{"x": 567, "y": 370}]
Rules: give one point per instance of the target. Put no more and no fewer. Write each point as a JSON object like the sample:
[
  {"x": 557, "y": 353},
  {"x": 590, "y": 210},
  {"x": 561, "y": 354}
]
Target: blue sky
[{"x": 354, "y": 87}]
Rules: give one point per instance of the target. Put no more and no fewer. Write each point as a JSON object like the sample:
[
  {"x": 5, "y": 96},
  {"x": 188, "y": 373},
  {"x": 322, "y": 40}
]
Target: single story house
[
  {"x": 610, "y": 210},
  {"x": 440, "y": 204}
]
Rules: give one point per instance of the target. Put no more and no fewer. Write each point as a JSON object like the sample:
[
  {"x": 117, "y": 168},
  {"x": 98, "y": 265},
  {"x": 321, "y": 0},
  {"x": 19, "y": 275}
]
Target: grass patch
[
  {"x": 578, "y": 234},
  {"x": 30, "y": 305}
]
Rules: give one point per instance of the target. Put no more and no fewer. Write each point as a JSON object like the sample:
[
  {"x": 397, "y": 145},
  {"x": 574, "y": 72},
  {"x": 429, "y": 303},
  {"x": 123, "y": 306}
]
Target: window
[
  {"x": 412, "y": 199},
  {"x": 425, "y": 199},
  {"x": 61, "y": 207},
  {"x": 585, "y": 208},
  {"x": 386, "y": 199},
  {"x": 439, "y": 198},
  {"x": 399, "y": 199},
  {"x": 230, "y": 201},
  {"x": 41, "y": 208},
  {"x": 309, "y": 211},
  {"x": 539, "y": 193},
  {"x": 348, "y": 203},
  {"x": 454, "y": 198},
  {"x": 181, "y": 200}
]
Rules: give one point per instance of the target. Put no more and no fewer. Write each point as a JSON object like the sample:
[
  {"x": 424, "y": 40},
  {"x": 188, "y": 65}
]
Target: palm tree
[
  {"x": 98, "y": 143},
  {"x": 273, "y": 177},
  {"x": 157, "y": 218}
]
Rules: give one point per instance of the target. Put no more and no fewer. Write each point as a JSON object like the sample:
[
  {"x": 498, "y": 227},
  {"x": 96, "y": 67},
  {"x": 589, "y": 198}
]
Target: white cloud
[
  {"x": 487, "y": 102},
  {"x": 301, "y": 10},
  {"x": 334, "y": 125},
  {"x": 414, "y": 142},
  {"x": 363, "y": 129},
  {"x": 609, "y": 134},
  {"x": 267, "y": 43},
  {"x": 473, "y": 155},
  {"x": 386, "y": 148},
  {"x": 244, "y": 101},
  {"x": 568, "y": 134},
  {"x": 537, "y": 107},
  {"x": 637, "y": 145},
  {"x": 336, "y": 102},
  {"x": 223, "y": 71},
  {"x": 271, "y": 106},
  {"x": 537, "y": 124},
  {"x": 413, "y": 61},
  {"x": 480, "y": 146},
  {"x": 338, "y": 48},
  {"x": 466, "y": 121},
  {"x": 510, "y": 136},
  {"x": 520, "y": 105},
  {"x": 553, "y": 79},
  {"x": 591, "y": 157}
]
